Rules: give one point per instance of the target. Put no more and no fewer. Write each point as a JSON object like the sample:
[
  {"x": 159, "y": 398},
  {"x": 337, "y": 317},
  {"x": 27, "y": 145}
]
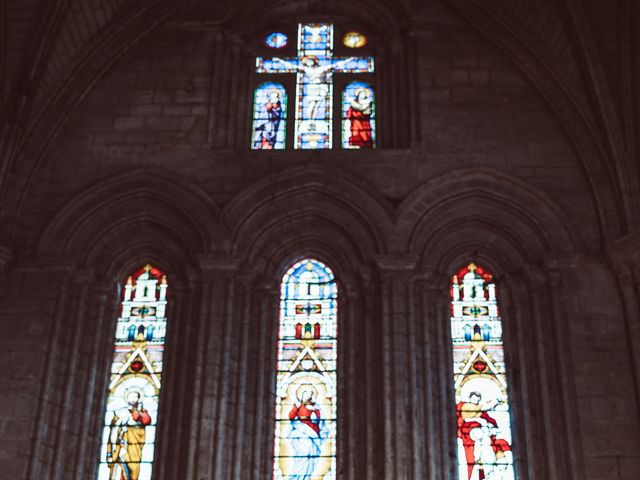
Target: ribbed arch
[{"x": 112, "y": 213}]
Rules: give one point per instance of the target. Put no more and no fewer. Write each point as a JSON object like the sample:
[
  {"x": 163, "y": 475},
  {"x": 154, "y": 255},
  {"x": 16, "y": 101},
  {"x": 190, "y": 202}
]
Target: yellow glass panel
[{"x": 354, "y": 40}]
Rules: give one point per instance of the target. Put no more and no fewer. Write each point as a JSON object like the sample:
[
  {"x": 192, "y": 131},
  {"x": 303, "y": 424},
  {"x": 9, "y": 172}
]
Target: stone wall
[{"x": 155, "y": 167}]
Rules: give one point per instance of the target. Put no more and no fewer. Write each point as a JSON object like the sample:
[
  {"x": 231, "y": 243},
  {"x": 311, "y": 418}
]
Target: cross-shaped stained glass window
[{"x": 314, "y": 66}]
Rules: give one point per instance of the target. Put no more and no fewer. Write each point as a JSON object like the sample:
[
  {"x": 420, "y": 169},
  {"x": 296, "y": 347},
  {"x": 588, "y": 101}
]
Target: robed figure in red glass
[
  {"x": 485, "y": 453},
  {"x": 307, "y": 434},
  {"x": 359, "y": 116}
]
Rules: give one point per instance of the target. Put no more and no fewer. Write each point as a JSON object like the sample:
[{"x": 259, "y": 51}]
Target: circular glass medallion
[
  {"x": 276, "y": 40},
  {"x": 354, "y": 40}
]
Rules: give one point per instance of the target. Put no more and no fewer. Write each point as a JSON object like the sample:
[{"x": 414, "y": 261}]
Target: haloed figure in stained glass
[
  {"x": 306, "y": 403},
  {"x": 127, "y": 437},
  {"x": 307, "y": 433},
  {"x": 359, "y": 116},
  {"x": 269, "y": 124}
]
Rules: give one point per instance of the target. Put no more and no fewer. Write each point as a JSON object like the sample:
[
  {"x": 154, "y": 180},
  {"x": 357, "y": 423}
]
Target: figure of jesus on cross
[{"x": 314, "y": 66}]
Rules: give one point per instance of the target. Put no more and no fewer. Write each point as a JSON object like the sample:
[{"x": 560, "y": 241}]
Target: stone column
[
  {"x": 539, "y": 374},
  {"x": 415, "y": 360},
  {"x": 212, "y": 340},
  {"x": 45, "y": 422}
]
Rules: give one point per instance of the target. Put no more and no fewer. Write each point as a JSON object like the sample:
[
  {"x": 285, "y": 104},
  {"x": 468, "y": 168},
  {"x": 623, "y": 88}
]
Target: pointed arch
[
  {"x": 484, "y": 211},
  {"x": 333, "y": 213}
]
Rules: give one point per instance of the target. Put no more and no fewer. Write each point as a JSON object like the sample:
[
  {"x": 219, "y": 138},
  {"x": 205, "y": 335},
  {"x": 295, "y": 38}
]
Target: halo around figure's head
[
  {"x": 306, "y": 388},
  {"x": 364, "y": 91},
  {"x": 309, "y": 61},
  {"x": 272, "y": 92},
  {"x": 133, "y": 390}
]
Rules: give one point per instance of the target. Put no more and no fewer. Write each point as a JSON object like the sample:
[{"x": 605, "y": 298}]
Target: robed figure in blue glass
[
  {"x": 267, "y": 128},
  {"x": 307, "y": 433}
]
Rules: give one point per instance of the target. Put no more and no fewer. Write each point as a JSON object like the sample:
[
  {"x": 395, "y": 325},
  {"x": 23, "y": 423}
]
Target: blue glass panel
[
  {"x": 277, "y": 65},
  {"x": 358, "y": 116},
  {"x": 276, "y": 40},
  {"x": 269, "y": 117},
  {"x": 315, "y": 38}
]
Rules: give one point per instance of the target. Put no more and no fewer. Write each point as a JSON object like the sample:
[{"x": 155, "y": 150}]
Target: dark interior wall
[
  {"x": 490, "y": 174},
  {"x": 475, "y": 109}
]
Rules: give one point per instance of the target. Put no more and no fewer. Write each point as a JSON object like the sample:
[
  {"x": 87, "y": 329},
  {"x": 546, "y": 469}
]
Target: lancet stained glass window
[
  {"x": 306, "y": 403},
  {"x": 482, "y": 408},
  {"x": 314, "y": 67},
  {"x": 129, "y": 432}
]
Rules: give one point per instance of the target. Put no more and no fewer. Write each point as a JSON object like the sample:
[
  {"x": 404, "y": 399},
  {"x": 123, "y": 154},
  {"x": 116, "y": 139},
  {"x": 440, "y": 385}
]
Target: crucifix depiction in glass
[{"x": 314, "y": 68}]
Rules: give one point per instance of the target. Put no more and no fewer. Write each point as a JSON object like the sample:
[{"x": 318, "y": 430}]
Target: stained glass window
[
  {"x": 358, "y": 116},
  {"x": 269, "y": 117},
  {"x": 129, "y": 431},
  {"x": 314, "y": 66},
  {"x": 306, "y": 403},
  {"x": 482, "y": 407}
]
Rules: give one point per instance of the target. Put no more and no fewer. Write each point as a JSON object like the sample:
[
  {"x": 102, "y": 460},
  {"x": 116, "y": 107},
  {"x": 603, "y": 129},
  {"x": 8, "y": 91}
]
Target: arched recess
[
  {"x": 506, "y": 214},
  {"x": 312, "y": 213},
  {"x": 516, "y": 232},
  {"x": 572, "y": 106},
  {"x": 310, "y": 208},
  {"x": 37, "y": 133},
  {"x": 109, "y": 216},
  {"x": 105, "y": 233}
]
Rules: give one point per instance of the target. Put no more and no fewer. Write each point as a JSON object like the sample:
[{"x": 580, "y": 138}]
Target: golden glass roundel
[{"x": 354, "y": 40}]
